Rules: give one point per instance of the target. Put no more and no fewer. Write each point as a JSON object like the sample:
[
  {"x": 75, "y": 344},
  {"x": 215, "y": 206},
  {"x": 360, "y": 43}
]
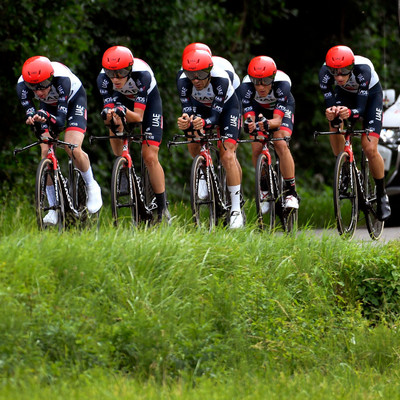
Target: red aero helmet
[
  {"x": 37, "y": 69},
  {"x": 117, "y": 57},
  {"x": 197, "y": 60},
  {"x": 339, "y": 57},
  {"x": 262, "y": 67},
  {"x": 196, "y": 46}
]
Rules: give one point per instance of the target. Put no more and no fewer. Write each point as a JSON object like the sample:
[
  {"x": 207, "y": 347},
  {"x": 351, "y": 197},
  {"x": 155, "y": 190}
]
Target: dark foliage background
[{"x": 296, "y": 34}]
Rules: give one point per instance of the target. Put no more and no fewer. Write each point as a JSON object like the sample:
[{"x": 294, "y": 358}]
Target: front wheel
[
  {"x": 345, "y": 196},
  {"x": 49, "y": 199},
  {"x": 202, "y": 197},
  {"x": 265, "y": 194},
  {"x": 374, "y": 226},
  {"x": 124, "y": 202}
]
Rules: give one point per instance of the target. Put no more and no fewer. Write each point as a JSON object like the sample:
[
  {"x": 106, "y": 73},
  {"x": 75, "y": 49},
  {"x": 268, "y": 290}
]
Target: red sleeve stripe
[{"x": 140, "y": 105}]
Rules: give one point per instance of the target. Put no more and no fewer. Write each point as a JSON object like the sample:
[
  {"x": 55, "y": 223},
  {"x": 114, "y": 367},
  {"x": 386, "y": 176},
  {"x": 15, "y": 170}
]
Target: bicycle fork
[
  {"x": 211, "y": 175},
  {"x": 134, "y": 179}
]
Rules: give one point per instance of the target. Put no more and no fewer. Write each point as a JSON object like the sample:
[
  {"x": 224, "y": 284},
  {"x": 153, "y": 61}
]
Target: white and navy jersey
[
  {"x": 64, "y": 86},
  {"x": 214, "y": 95},
  {"x": 226, "y": 65},
  {"x": 277, "y": 99},
  {"x": 362, "y": 78},
  {"x": 139, "y": 85}
]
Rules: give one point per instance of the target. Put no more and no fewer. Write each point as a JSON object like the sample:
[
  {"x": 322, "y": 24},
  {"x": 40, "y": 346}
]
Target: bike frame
[
  {"x": 51, "y": 155},
  {"x": 348, "y": 147},
  {"x": 364, "y": 203},
  {"x": 205, "y": 141},
  {"x": 127, "y": 139}
]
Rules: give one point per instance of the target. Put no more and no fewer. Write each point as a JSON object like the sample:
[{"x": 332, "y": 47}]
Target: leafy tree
[{"x": 296, "y": 34}]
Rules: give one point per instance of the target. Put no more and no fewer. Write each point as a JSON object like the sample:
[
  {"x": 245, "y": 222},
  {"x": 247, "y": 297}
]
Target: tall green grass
[{"x": 174, "y": 312}]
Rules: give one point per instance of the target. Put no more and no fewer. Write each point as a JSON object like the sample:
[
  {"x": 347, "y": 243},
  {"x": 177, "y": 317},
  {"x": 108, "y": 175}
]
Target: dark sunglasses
[
  {"x": 118, "y": 73},
  {"x": 341, "y": 71},
  {"x": 200, "y": 75},
  {"x": 39, "y": 86},
  {"x": 262, "y": 81}
]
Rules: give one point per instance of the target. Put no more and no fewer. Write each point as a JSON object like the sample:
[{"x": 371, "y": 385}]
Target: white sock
[
  {"x": 51, "y": 195},
  {"x": 235, "y": 197},
  {"x": 88, "y": 176}
]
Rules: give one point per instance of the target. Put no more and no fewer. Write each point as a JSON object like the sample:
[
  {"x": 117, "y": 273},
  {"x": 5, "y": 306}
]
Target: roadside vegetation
[{"x": 173, "y": 312}]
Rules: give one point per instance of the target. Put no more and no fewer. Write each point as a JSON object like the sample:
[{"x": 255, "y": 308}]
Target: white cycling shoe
[
  {"x": 236, "y": 220},
  {"x": 51, "y": 218},
  {"x": 202, "y": 190},
  {"x": 94, "y": 201},
  {"x": 264, "y": 202},
  {"x": 265, "y": 207},
  {"x": 291, "y": 202}
]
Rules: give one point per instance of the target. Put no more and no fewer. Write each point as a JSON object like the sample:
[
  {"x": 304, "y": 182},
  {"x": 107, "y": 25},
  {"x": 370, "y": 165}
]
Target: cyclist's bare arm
[
  {"x": 273, "y": 123},
  {"x": 134, "y": 116}
]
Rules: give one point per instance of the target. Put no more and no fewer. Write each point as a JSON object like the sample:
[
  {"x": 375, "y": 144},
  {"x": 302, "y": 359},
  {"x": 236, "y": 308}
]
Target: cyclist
[
  {"x": 208, "y": 99},
  {"x": 352, "y": 90},
  {"x": 62, "y": 99},
  {"x": 218, "y": 61},
  {"x": 129, "y": 90},
  {"x": 266, "y": 96}
]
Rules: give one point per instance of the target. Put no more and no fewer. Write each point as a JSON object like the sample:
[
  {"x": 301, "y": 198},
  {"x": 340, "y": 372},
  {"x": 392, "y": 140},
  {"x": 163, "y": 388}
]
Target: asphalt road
[{"x": 361, "y": 234}]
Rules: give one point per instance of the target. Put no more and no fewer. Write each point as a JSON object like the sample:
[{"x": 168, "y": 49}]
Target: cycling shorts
[
  {"x": 152, "y": 117},
  {"x": 229, "y": 120},
  {"x": 76, "y": 114},
  {"x": 372, "y": 117}
]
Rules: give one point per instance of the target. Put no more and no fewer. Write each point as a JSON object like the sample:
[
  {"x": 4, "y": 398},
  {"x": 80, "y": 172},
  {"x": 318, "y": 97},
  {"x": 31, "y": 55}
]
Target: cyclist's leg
[
  {"x": 229, "y": 125},
  {"x": 336, "y": 141},
  {"x": 116, "y": 145},
  {"x": 153, "y": 123},
  {"x": 156, "y": 172},
  {"x": 370, "y": 148},
  {"x": 76, "y": 128},
  {"x": 286, "y": 159},
  {"x": 373, "y": 117}
]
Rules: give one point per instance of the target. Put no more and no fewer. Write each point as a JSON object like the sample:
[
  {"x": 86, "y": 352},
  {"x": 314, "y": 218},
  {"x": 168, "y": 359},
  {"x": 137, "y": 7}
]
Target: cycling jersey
[
  {"x": 64, "y": 87},
  {"x": 140, "y": 91},
  {"x": 279, "y": 100},
  {"x": 362, "y": 78},
  {"x": 214, "y": 96},
  {"x": 362, "y": 93},
  {"x": 228, "y": 67}
]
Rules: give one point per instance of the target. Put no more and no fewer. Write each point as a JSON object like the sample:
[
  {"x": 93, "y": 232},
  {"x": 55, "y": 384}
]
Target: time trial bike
[
  {"x": 269, "y": 188},
  {"x": 132, "y": 196},
  {"x": 209, "y": 196},
  {"x": 70, "y": 194},
  {"x": 353, "y": 189}
]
